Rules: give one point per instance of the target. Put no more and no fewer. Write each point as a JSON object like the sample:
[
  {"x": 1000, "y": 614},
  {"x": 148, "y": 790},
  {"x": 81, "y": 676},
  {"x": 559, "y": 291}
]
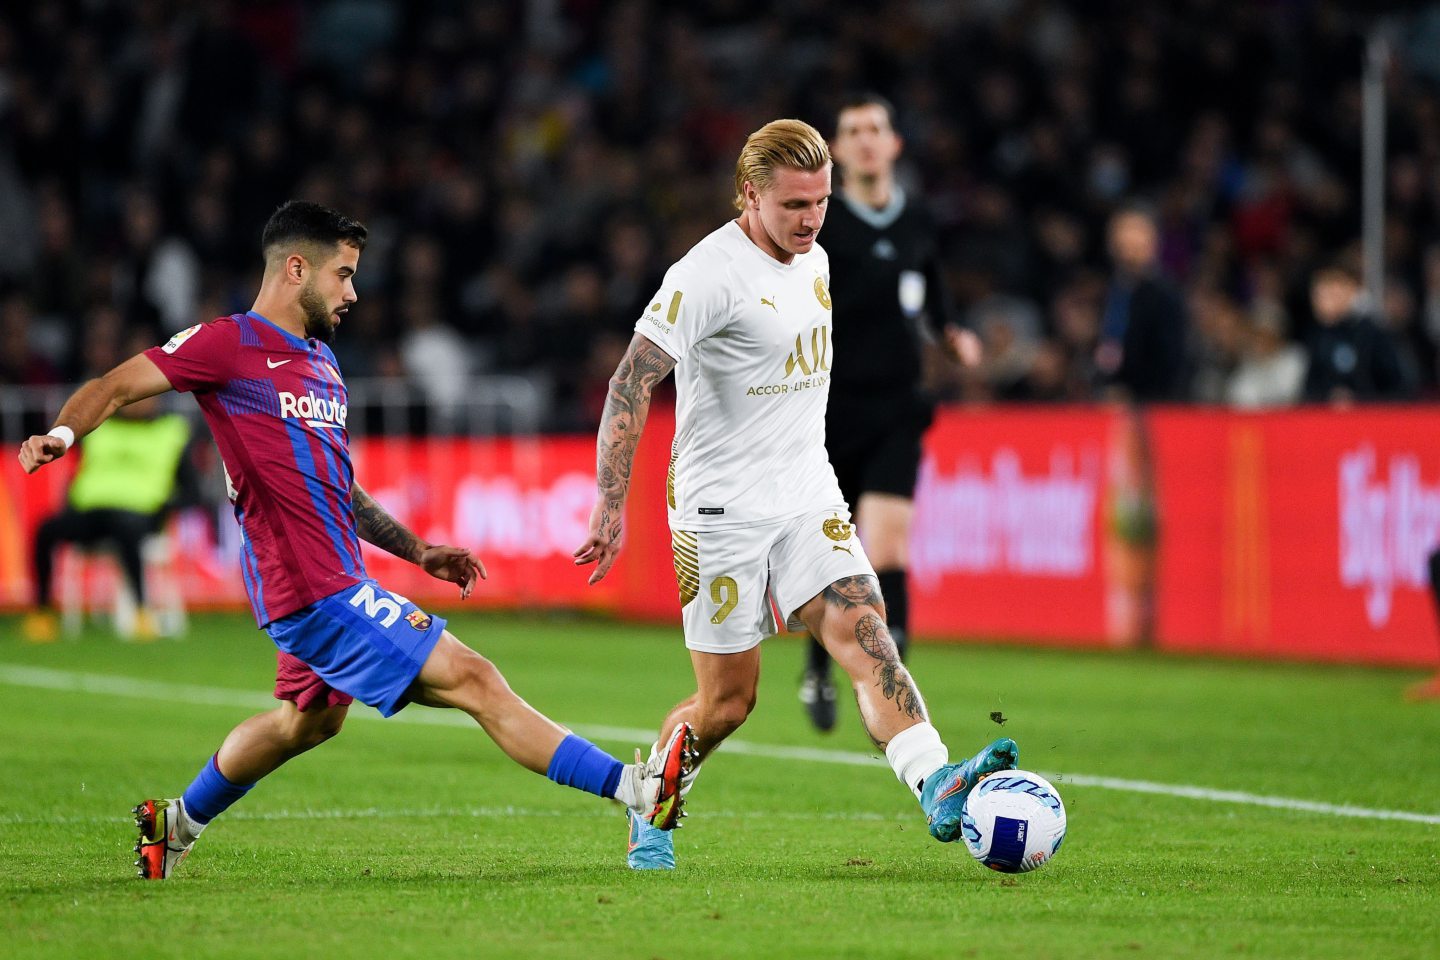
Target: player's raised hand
[
  {"x": 38, "y": 451},
  {"x": 454, "y": 565},
  {"x": 602, "y": 545}
]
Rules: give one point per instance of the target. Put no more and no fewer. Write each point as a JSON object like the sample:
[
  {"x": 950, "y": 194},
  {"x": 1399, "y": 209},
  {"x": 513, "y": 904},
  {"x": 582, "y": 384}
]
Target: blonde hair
[{"x": 780, "y": 143}]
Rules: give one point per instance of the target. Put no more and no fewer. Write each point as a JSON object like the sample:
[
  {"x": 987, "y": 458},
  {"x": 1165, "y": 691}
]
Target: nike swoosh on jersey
[{"x": 272, "y": 364}]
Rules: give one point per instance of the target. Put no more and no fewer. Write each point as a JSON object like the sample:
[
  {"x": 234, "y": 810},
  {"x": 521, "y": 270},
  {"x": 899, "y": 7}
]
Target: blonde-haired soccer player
[{"x": 755, "y": 512}]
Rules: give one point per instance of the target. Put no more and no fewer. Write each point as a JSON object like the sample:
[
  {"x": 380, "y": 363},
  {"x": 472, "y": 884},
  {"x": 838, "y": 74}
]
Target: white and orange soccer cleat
[
  {"x": 660, "y": 780},
  {"x": 158, "y": 846}
]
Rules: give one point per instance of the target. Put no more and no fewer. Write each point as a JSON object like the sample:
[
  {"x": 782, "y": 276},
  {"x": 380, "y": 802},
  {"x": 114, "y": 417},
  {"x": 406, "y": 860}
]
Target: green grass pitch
[{"x": 408, "y": 838}]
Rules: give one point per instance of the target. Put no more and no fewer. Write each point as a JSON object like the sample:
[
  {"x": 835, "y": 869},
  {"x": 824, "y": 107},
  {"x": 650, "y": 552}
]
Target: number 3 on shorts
[{"x": 725, "y": 592}]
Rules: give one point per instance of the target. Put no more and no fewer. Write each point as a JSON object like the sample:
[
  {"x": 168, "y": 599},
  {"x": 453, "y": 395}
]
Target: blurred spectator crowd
[{"x": 1160, "y": 199}]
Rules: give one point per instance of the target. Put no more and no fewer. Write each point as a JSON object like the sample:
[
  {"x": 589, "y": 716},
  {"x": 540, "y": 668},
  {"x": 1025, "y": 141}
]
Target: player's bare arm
[
  {"x": 375, "y": 525},
  {"x": 623, "y": 420},
  {"x": 93, "y": 404}
]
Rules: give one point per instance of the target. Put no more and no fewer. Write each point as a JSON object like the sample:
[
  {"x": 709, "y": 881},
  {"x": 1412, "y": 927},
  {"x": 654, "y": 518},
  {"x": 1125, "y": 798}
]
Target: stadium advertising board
[
  {"x": 1300, "y": 534},
  {"x": 523, "y": 506},
  {"x": 1014, "y": 533}
]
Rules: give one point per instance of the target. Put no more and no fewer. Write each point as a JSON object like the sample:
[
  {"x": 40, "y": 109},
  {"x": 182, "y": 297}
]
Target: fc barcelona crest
[{"x": 418, "y": 619}]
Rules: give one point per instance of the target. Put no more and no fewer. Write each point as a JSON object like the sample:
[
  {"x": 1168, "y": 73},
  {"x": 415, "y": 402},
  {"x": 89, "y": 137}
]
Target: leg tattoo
[
  {"x": 894, "y": 680},
  {"x": 850, "y": 592}
]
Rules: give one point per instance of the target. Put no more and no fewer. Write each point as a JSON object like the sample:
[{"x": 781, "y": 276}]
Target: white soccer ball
[{"x": 1013, "y": 821}]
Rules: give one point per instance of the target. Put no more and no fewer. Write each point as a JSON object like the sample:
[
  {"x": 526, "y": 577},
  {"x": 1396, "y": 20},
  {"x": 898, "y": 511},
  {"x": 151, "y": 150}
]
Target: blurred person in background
[
  {"x": 1216, "y": 325},
  {"x": 1009, "y": 331},
  {"x": 121, "y": 494},
  {"x": 1271, "y": 371},
  {"x": 890, "y": 304},
  {"x": 1142, "y": 351},
  {"x": 22, "y": 362},
  {"x": 158, "y": 280},
  {"x": 436, "y": 359},
  {"x": 1351, "y": 358}
]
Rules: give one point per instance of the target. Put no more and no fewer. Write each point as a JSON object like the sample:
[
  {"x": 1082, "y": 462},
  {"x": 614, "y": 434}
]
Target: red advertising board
[
  {"x": 1300, "y": 534},
  {"x": 523, "y": 505},
  {"x": 1011, "y": 533}
]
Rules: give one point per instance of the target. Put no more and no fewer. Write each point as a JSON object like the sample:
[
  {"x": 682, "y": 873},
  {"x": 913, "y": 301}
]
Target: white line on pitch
[
  {"x": 98, "y": 683},
  {"x": 597, "y": 812}
]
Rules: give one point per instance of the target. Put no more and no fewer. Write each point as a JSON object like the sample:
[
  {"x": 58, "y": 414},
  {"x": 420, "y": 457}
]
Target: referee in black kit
[{"x": 885, "y": 285}]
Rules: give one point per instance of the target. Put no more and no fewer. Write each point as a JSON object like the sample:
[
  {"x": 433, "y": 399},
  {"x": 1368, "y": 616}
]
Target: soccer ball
[{"x": 1013, "y": 821}]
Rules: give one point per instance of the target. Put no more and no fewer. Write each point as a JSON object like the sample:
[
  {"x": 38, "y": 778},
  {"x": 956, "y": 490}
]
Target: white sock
[
  {"x": 187, "y": 829},
  {"x": 916, "y": 753},
  {"x": 627, "y": 791}
]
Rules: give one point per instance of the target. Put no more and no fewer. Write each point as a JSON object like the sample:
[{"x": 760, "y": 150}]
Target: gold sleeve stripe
[
  {"x": 674, "y": 313},
  {"x": 686, "y": 548}
]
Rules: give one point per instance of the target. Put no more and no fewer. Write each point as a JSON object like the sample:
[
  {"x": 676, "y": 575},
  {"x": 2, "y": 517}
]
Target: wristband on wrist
[{"x": 64, "y": 434}]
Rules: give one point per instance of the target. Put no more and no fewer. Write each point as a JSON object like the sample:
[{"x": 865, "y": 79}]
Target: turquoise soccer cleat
[
  {"x": 943, "y": 796},
  {"x": 649, "y": 848}
]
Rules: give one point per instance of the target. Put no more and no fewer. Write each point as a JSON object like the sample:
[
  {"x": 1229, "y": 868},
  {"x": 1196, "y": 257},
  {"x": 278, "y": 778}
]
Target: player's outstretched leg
[
  {"x": 453, "y": 675},
  {"x": 849, "y": 617}
]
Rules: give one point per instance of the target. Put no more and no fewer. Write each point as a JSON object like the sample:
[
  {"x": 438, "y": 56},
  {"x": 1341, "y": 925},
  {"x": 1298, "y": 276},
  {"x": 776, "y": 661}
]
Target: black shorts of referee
[{"x": 874, "y": 442}]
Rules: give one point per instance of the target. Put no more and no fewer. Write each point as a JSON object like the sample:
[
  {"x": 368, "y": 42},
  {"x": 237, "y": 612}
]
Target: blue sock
[
  {"x": 211, "y": 794},
  {"x": 580, "y": 764}
]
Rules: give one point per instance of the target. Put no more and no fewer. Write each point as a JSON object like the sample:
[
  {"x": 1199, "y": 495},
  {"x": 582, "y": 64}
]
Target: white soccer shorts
[{"x": 729, "y": 577}]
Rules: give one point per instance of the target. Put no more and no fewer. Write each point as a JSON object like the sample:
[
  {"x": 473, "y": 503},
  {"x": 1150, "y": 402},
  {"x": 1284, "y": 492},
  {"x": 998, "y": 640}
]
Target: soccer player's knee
[
  {"x": 313, "y": 729},
  {"x": 479, "y": 674},
  {"x": 328, "y": 726}
]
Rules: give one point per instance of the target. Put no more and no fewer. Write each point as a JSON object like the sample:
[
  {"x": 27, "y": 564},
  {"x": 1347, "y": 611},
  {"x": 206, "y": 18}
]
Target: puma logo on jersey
[{"x": 769, "y": 303}]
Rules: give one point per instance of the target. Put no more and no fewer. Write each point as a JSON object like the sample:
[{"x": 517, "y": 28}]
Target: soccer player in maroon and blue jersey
[{"x": 272, "y": 394}]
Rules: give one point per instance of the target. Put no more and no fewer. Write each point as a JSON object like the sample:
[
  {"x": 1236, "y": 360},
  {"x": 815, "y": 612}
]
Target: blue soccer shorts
[{"x": 364, "y": 641}]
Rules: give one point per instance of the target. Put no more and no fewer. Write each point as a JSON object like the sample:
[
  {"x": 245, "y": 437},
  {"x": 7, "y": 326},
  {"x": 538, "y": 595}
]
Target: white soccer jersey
[{"x": 751, "y": 340}]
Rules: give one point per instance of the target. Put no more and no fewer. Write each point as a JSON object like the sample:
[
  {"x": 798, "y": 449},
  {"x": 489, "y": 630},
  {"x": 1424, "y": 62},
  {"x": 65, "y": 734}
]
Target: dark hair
[
  {"x": 300, "y": 221},
  {"x": 867, "y": 98}
]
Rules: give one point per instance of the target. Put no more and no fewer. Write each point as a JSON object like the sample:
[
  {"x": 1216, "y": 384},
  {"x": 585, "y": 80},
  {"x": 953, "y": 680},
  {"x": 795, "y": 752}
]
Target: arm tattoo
[
  {"x": 376, "y": 526},
  {"x": 895, "y": 683},
  {"x": 848, "y": 592},
  {"x": 626, "y": 407}
]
